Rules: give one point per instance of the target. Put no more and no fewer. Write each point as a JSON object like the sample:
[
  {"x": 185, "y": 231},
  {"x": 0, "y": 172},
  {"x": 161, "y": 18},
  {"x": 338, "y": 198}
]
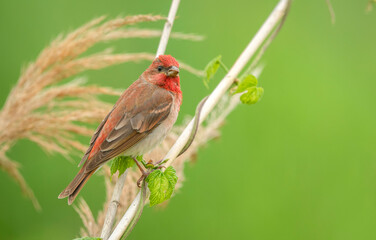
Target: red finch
[{"x": 139, "y": 121}]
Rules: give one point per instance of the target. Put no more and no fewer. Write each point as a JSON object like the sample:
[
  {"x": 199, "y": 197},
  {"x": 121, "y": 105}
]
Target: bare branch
[
  {"x": 167, "y": 27},
  {"x": 112, "y": 207}
]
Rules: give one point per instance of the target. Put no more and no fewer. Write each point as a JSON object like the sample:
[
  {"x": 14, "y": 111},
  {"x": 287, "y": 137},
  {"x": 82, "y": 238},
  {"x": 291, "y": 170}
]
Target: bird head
[{"x": 164, "y": 72}]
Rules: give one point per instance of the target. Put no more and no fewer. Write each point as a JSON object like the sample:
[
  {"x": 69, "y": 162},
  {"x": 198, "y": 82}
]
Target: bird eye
[{"x": 160, "y": 68}]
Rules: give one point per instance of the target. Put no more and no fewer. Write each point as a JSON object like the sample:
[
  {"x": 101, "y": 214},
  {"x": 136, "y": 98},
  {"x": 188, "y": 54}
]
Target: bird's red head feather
[
  {"x": 167, "y": 61},
  {"x": 164, "y": 72}
]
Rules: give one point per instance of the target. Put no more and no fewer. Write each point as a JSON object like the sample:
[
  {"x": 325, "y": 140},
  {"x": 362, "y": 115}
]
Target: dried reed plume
[
  {"x": 42, "y": 109},
  {"x": 93, "y": 227}
]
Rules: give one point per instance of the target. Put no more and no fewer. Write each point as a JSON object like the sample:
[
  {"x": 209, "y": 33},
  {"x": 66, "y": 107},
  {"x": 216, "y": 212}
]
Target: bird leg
[
  {"x": 139, "y": 181},
  {"x": 144, "y": 174},
  {"x": 150, "y": 166},
  {"x": 160, "y": 162},
  {"x": 139, "y": 166}
]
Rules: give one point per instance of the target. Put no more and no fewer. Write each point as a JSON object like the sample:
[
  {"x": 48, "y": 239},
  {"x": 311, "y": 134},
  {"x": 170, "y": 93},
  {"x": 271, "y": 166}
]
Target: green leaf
[
  {"x": 211, "y": 69},
  {"x": 170, "y": 174},
  {"x": 140, "y": 158},
  {"x": 114, "y": 166},
  {"x": 252, "y": 96},
  {"x": 246, "y": 82},
  {"x": 161, "y": 185},
  {"x": 121, "y": 164},
  {"x": 88, "y": 238}
]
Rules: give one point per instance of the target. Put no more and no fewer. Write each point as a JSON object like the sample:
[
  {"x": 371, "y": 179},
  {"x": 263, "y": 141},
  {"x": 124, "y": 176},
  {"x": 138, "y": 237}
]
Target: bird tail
[{"x": 72, "y": 190}]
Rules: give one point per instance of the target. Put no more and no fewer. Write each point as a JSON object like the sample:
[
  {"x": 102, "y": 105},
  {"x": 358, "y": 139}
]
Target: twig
[
  {"x": 331, "y": 11},
  {"x": 110, "y": 216},
  {"x": 256, "y": 60},
  {"x": 167, "y": 27},
  {"x": 195, "y": 126},
  {"x": 132, "y": 224},
  {"x": 112, "y": 207},
  {"x": 272, "y": 21}
]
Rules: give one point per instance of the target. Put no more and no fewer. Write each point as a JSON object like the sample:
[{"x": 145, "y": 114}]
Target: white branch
[
  {"x": 112, "y": 207},
  {"x": 263, "y": 33},
  {"x": 126, "y": 219},
  {"x": 167, "y": 27}
]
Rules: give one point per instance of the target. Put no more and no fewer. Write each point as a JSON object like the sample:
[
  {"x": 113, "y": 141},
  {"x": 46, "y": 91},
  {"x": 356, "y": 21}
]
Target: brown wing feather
[
  {"x": 94, "y": 137},
  {"x": 114, "y": 152},
  {"x": 135, "y": 124}
]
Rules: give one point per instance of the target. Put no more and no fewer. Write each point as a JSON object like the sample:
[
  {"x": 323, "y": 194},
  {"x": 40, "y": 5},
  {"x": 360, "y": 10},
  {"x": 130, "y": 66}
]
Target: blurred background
[{"x": 300, "y": 164}]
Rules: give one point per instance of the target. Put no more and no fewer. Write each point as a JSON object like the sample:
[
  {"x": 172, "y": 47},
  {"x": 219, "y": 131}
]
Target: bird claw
[
  {"x": 150, "y": 166},
  {"x": 140, "y": 180}
]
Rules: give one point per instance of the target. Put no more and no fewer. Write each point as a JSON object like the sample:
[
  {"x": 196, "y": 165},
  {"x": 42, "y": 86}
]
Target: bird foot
[
  {"x": 149, "y": 166},
  {"x": 143, "y": 176}
]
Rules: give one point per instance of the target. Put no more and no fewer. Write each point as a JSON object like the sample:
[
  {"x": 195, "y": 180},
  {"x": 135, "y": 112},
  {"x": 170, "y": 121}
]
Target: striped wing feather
[{"x": 134, "y": 123}]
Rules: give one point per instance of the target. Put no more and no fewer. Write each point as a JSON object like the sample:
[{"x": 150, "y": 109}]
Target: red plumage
[{"x": 168, "y": 60}]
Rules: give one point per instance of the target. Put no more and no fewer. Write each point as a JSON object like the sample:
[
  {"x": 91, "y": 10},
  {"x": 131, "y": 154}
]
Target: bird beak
[{"x": 173, "y": 71}]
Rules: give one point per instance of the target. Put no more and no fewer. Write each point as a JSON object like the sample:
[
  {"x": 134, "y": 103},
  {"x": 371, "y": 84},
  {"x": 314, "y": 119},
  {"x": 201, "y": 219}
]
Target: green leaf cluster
[
  {"x": 121, "y": 164},
  {"x": 211, "y": 69},
  {"x": 161, "y": 185},
  {"x": 252, "y": 94}
]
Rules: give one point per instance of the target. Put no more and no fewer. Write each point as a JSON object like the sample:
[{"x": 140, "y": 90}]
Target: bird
[{"x": 140, "y": 120}]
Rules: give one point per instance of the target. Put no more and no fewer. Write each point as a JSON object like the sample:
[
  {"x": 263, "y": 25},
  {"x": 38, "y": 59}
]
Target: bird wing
[
  {"x": 131, "y": 120},
  {"x": 94, "y": 138}
]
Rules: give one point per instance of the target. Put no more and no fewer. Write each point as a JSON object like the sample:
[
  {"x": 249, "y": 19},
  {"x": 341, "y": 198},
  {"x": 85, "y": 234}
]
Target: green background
[{"x": 300, "y": 164}]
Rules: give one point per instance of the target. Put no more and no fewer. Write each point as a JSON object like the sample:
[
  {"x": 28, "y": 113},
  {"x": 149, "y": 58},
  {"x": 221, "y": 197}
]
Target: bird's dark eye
[{"x": 160, "y": 68}]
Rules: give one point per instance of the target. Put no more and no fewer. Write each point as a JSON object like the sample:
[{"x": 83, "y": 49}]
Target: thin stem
[
  {"x": 167, "y": 27},
  {"x": 194, "y": 129},
  {"x": 127, "y": 218},
  {"x": 256, "y": 60},
  {"x": 112, "y": 207},
  {"x": 331, "y": 11},
  {"x": 263, "y": 33},
  {"x": 223, "y": 66},
  {"x": 132, "y": 224}
]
